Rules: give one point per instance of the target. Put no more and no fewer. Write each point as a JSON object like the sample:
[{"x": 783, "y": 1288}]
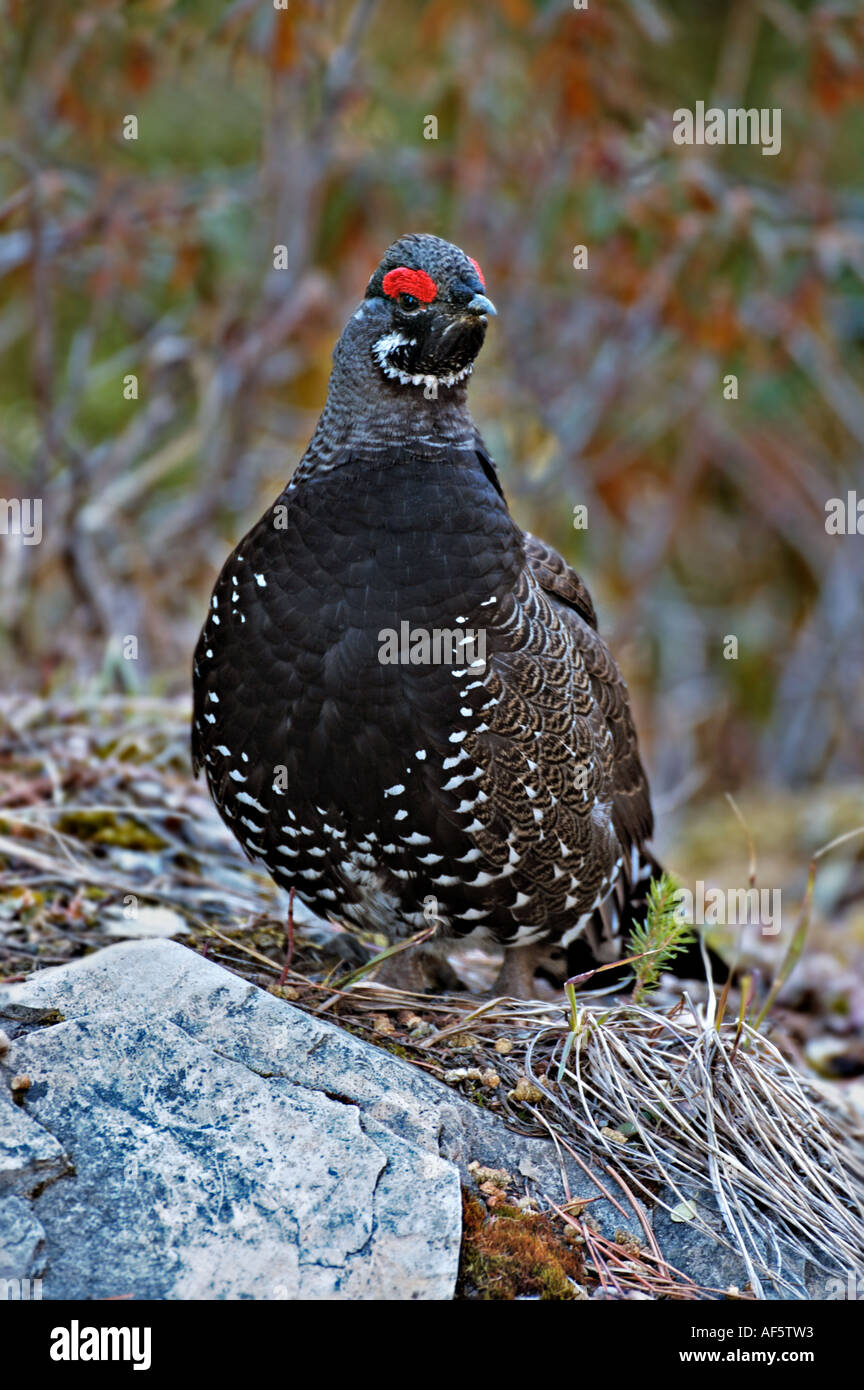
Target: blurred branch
[{"x": 736, "y": 53}]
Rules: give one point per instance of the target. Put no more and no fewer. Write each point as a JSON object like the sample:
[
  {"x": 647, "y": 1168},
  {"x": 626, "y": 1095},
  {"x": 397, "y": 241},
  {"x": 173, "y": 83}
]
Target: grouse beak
[{"x": 481, "y": 305}]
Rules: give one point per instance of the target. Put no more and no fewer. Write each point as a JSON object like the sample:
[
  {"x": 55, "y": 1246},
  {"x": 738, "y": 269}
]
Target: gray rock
[
  {"x": 196, "y": 1178},
  {"x": 21, "y": 1240},
  {"x": 29, "y": 1155},
  {"x": 238, "y": 1184}
]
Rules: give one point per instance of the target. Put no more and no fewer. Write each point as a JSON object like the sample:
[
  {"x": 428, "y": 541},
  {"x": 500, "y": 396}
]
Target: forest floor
[{"x": 105, "y": 836}]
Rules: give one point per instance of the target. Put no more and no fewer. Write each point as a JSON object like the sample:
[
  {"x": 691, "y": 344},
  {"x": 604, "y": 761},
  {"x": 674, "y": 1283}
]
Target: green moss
[
  {"x": 510, "y": 1253},
  {"x": 106, "y": 828}
]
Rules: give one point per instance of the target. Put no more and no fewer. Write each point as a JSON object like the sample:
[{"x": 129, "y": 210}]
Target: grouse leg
[
  {"x": 289, "y": 954},
  {"x": 515, "y": 979},
  {"x": 406, "y": 971}
]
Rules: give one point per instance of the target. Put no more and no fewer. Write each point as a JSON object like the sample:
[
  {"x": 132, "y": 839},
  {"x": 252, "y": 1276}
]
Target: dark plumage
[{"x": 510, "y": 792}]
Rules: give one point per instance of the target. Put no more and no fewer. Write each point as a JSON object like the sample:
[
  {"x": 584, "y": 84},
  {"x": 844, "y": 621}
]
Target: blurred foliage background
[{"x": 602, "y": 386}]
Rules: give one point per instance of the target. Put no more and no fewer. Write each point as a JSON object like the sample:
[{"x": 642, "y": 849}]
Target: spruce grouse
[{"x": 402, "y": 699}]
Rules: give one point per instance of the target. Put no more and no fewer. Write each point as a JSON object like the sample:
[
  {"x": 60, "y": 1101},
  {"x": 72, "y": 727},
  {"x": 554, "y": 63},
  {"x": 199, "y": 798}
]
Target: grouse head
[{"x": 427, "y": 312}]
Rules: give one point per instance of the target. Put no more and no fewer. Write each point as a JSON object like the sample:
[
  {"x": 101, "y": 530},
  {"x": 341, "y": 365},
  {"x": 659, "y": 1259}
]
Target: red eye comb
[
  {"x": 476, "y": 266},
  {"x": 405, "y": 281}
]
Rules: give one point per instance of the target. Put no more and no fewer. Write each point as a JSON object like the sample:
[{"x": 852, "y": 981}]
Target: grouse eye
[{"x": 408, "y": 301}]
